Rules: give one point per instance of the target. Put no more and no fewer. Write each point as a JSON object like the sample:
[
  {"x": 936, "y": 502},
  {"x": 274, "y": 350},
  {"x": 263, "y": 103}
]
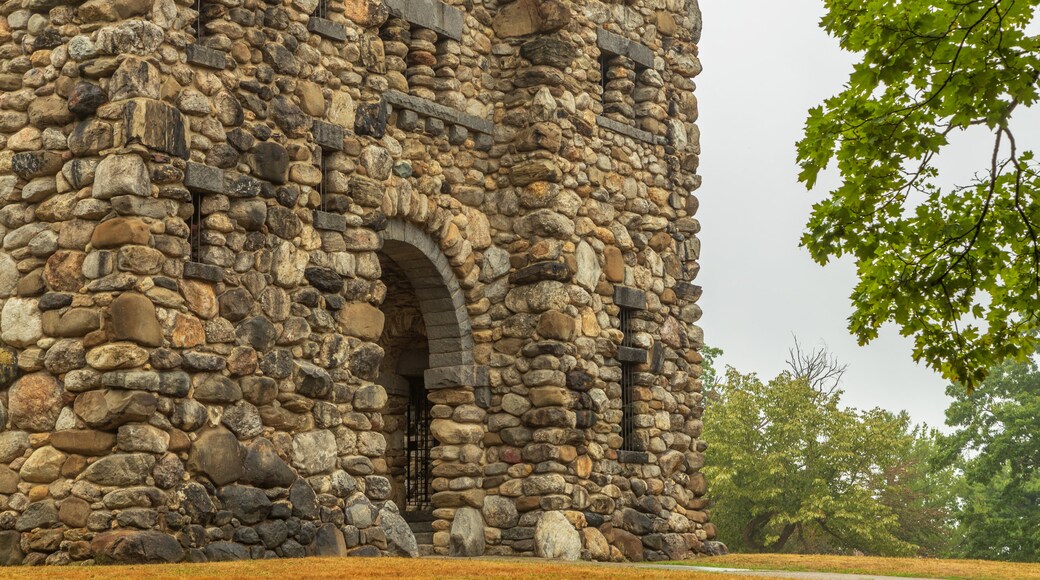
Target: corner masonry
[{"x": 349, "y": 278}]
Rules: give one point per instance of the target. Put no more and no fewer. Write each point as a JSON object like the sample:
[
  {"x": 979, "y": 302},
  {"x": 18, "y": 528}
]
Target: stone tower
[{"x": 349, "y": 277}]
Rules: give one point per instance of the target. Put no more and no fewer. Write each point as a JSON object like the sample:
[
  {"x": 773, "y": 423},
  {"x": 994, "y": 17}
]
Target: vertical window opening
[
  {"x": 322, "y": 10},
  {"x": 323, "y": 186},
  {"x": 627, "y": 385},
  {"x": 200, "y": 20},
  {"x": 195, "y": 228}
]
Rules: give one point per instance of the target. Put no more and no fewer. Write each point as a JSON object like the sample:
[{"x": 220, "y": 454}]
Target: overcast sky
[{"x": 765, "y": 64}]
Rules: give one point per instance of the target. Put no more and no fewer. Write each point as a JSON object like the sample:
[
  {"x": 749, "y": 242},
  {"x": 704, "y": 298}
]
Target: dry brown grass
[
  {"x": 920, "y": 567},
  {"x": 325, "y": 568}
]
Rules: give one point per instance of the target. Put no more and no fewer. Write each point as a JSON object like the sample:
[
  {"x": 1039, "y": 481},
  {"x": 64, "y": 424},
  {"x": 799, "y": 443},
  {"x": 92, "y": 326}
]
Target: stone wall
[{"x": 197, "y": 209}]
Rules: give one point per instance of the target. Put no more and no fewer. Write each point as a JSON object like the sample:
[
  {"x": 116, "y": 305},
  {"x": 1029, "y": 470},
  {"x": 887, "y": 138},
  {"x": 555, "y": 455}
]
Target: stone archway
[{"x": 430, "y": 377}]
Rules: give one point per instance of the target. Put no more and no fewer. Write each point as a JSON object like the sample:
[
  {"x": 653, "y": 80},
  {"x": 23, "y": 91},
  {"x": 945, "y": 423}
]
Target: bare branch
[{"x": 820, "y": 369}]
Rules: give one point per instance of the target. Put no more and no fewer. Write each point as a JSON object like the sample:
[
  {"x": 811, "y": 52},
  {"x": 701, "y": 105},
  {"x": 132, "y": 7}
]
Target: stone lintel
[
  {"x": 628, "y": 354},
  {"x": 629, "y": 131},
  {"x": 631, "y": 298},
  {"x": 327, "y": 28},
  {"x": 203, "y": 272},
  {"x": 203, "y": 178},
  {"x": 433, "y": 14},
  {"x": 206, "y": 56},
  {"x": 438, "y": 111},
  {"x": 460, "y": 376},
  {"x": 607, "y": 41},
  {"x": 324, "y": 220},
  {"x": 328, "y": 136},
  {"x": 641, "y": 457}
]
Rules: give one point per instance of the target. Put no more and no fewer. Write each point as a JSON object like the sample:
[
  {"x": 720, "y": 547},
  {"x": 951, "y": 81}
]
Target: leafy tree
[
  {"x": 794, "y": 471},
  {"x": 996, "y": 444},
  {"x": 958, "y": 269}
]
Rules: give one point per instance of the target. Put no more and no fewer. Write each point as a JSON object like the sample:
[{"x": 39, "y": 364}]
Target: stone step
[
  {"x": 424, "y": 538},
  {"x": 419, "y": 516},
  {"x": 421, "y": 527}
]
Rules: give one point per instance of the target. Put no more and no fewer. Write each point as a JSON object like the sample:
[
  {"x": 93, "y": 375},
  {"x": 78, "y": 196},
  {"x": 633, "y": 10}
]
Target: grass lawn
[
  {"x": 315, "y": 568},
  {"x": 921, "y": 567}
]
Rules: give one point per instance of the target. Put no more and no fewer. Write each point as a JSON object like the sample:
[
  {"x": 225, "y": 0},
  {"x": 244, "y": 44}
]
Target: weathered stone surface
[
  {"x": 40, "y": 514},
  {"x": 146, "y": 438},
  {"x": 107, "y": 409},
  {"x": 362, "y": 320},
  {"x": 467, "y": 533},
  {"x": 217, "y": 454},
  {"x": 74, "y": 512},
  {"x": 329, "y": 542},
  {"x": 264, "y": 468},
  {"x": 399, "y": 537},
  {"x": 10, "y": 548},
  {"x": 121, "y": 175},
  {"x": 13, "y": 444},
  {"x": 83, "y": 441},
  {"x": 500, "y": 512},
  {"x": 156, "y": 125},
  {"x": 249, "y": 504},
  {"x": 314, "y": 451},
  {"x": 270, "y": 161},
  {"x": 120, "y": 469},
  {"x": 133, "y": 319},
  {"x": 117, "y": 355},
  {"x": 525, "y": 17},
  {"x": 21, "y": 323},
  {"x": 119, "y": 231},
  {"x": 556, "y": 538},
  {"x": 34, "y": 402},
  {"x": 136, "y": 547},
  {"x": 43, "y": 466}
]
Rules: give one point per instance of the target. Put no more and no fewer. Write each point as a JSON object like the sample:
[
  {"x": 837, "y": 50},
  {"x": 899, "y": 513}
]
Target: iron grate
[{"x": 419, "y": 445}]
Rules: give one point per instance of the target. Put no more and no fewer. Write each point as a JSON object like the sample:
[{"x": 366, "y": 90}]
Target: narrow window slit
[
  {"x": 195, "y": 228},
  {"x": 323, "y": 186},
  {"x": 321, "y": 10},
  {"x": 627, "y": 385}
]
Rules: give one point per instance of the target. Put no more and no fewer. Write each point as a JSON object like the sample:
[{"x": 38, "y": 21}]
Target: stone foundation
[{"x": 230, "y": 238}]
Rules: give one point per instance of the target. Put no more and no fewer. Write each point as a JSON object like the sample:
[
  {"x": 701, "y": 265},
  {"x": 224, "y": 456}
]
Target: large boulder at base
[
  {"x": 329, "y": 542},
  {"x": 10, "y": 548},
  {"x": 556, "y": 538},
  {"x": 136, "y": 547},
  {"x": 249, "y": 504},
  {"x": 400, "y": 540},
  {"x": 467, "y": 533}
]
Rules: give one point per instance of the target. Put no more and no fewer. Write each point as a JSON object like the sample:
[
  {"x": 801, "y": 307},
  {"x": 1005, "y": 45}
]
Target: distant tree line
[{"x": 794, "y": 470}]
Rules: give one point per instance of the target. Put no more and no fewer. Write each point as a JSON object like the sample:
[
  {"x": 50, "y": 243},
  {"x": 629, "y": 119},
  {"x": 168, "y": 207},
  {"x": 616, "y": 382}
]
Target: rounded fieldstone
[{"x": 34, "y": 402}]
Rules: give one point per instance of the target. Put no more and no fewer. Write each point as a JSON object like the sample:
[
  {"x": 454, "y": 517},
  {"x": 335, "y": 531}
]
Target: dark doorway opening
[{"x": 407, "y": 415}]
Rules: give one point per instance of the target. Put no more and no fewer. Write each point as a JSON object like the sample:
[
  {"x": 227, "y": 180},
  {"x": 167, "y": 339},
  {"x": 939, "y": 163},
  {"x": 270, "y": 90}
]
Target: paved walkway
[{"x": 775, "y": 573}]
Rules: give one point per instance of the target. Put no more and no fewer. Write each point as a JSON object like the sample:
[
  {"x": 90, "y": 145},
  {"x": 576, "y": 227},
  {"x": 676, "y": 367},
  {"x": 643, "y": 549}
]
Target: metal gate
[{"x": 419, "y": 445}]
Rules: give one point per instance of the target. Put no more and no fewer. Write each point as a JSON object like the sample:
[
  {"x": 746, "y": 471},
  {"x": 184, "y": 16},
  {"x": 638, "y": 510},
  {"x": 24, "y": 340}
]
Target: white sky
[{"x": 765, "y": 64}]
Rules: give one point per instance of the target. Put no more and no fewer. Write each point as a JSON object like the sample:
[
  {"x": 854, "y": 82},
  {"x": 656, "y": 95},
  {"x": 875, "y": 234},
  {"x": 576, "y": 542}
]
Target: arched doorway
[{"x": 434, "y": 437}]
